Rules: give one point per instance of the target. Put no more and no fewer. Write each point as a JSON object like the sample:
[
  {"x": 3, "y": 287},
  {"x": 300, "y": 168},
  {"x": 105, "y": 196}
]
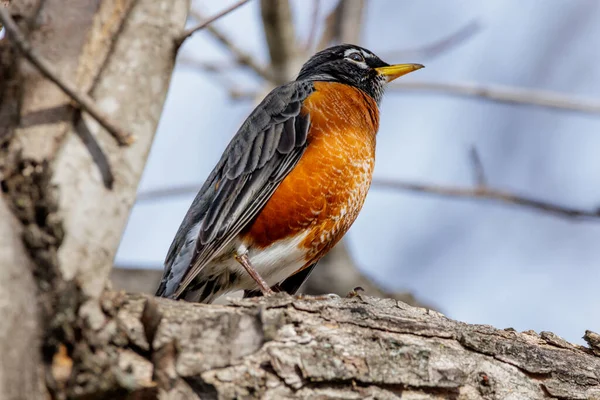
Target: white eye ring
[{"x": 356, "y": 57}]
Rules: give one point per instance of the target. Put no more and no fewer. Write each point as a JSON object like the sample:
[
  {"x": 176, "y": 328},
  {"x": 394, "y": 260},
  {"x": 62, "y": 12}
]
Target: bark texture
[
  {"x": 66, "y": 185},
  {"x": 351, "y": 348},
  {"x": 20, "y": 374}
]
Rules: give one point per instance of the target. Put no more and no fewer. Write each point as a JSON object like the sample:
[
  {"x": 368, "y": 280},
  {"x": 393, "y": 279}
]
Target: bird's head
[{"x": 355, "y": 66}]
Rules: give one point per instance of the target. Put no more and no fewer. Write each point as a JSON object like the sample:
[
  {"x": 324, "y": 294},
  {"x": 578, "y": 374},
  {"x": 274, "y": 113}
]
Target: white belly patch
[{"x": 274, "y": 263}]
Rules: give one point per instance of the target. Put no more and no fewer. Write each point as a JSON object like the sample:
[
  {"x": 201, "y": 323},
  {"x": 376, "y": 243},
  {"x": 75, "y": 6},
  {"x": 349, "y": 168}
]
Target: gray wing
[{"x": 264, "y": 150}]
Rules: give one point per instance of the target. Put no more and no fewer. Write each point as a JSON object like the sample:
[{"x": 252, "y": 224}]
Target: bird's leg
[{"x": 264, "y": 287}]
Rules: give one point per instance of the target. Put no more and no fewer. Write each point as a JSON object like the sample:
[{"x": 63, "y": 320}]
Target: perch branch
[
  {"x": 502, "y": 94},
  {"x": 82, "y": 100},
  {"x": 189, "y": 32},
  {"x": 362, "y": 347}
]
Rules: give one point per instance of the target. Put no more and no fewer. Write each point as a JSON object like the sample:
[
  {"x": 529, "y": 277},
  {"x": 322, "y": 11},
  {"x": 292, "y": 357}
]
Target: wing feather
[{"x": 264, "y": 150}]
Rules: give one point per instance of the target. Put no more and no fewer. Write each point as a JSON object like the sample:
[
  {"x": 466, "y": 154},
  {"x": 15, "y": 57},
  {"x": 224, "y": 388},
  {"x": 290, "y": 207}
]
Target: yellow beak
[{"x": 396, "y": 71}]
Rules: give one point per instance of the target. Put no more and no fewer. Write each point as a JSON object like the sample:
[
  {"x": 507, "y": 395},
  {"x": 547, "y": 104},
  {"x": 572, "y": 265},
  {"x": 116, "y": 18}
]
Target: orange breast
[{"x": 328, "y": 186}]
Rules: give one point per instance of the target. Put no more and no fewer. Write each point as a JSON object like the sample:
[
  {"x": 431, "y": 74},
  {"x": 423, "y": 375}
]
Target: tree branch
[
  {"x": 477, "y": 167},
  {"x": 343, "y": 24},
  {"x": 240, "y": 55},
  {"x": 484, "y": 193},
  {"x": 234, "y": 90},
  {"x": 186, "y": 34},
  {"x": 436, "y": 48},
  {"x": 502, "y": 94},
  {"x": 361, "y": 347},
  {"x": 473, "y": 193},
  {"x": 281, "y": 38},
  {"x": 82, "y": 100}
]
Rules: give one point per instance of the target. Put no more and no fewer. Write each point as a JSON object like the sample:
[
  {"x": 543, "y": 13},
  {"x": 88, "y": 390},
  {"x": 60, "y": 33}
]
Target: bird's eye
[{"x": 356, "y": 57}]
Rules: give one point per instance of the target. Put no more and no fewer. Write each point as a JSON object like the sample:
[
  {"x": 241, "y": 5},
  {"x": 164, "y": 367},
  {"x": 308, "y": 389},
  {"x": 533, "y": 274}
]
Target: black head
[{"x": 355, "y": 66}]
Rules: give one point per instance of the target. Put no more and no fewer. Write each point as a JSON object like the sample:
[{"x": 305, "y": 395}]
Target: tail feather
[
  {"x": 177, "y": 264},
  {"x": 206, "y": 289}
]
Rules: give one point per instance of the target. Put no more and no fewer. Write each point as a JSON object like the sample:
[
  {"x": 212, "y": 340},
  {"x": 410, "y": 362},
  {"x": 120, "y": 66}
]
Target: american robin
[{"x": 289, "y": 185}]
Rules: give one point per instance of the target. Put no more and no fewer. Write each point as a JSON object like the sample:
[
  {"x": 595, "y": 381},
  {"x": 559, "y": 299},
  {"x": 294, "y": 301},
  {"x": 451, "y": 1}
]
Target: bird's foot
[{"x": 262, "y": 284}]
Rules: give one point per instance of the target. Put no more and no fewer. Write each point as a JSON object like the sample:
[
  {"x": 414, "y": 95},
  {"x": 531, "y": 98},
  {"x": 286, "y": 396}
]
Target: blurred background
[{"x": 504, "y": 123}]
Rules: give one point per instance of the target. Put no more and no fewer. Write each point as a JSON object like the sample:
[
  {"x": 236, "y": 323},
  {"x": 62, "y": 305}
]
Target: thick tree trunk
[
  {"x": 67, "y": 186},
  {"x": 332, "y": 348}
]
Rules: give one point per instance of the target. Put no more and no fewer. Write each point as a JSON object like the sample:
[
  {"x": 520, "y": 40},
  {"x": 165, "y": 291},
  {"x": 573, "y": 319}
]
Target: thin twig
[
  {"x": 166, "y": 193},
  {"x": 206, "y": 66},
  {"x": 485, "y": 193},
  {"x": 477, "y": 193},
  {"x": 495, "y": 93},
  {"x": 82, "y": 100},
  {"x": 435, "y": 49},
  {"x": 503, "y": 94},
  {"x": 240, "y": 55},
  {"x": 235, "y": 92},
  {"x": 189, "y": 32},
  {"x": 477, "y": 166}
]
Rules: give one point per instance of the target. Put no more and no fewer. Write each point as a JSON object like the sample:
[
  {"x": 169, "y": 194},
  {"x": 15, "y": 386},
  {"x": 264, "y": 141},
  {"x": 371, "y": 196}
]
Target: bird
[{"x": 289, "y": 184}]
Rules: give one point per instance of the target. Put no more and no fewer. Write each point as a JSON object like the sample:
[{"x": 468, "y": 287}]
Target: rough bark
[
  {"x": 333, "y": 348},
  {"x": 20, "y": 372},
  {"x": 67, "y": 183}
]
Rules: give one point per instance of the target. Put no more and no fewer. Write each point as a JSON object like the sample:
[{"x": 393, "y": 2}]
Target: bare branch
[
  {"x": 502, "y": 94},
  {"x": 165, "y": 193},
  {"x": 235, "y": 92},
  {"x": 240, "y": 55},
  {"x": 186, "y": 34},
  {"x": 281, "y": 38},
  {"x": 484, "y": 193},
  {"x": 206, "y": 66},
  {"x": 476, "y": 193},
  {"x": 82, "y": 100},
  {"x": 343, "y": 23},
  {"x": 439, "y": 47},
  {"x": 477, "y": 166}
]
